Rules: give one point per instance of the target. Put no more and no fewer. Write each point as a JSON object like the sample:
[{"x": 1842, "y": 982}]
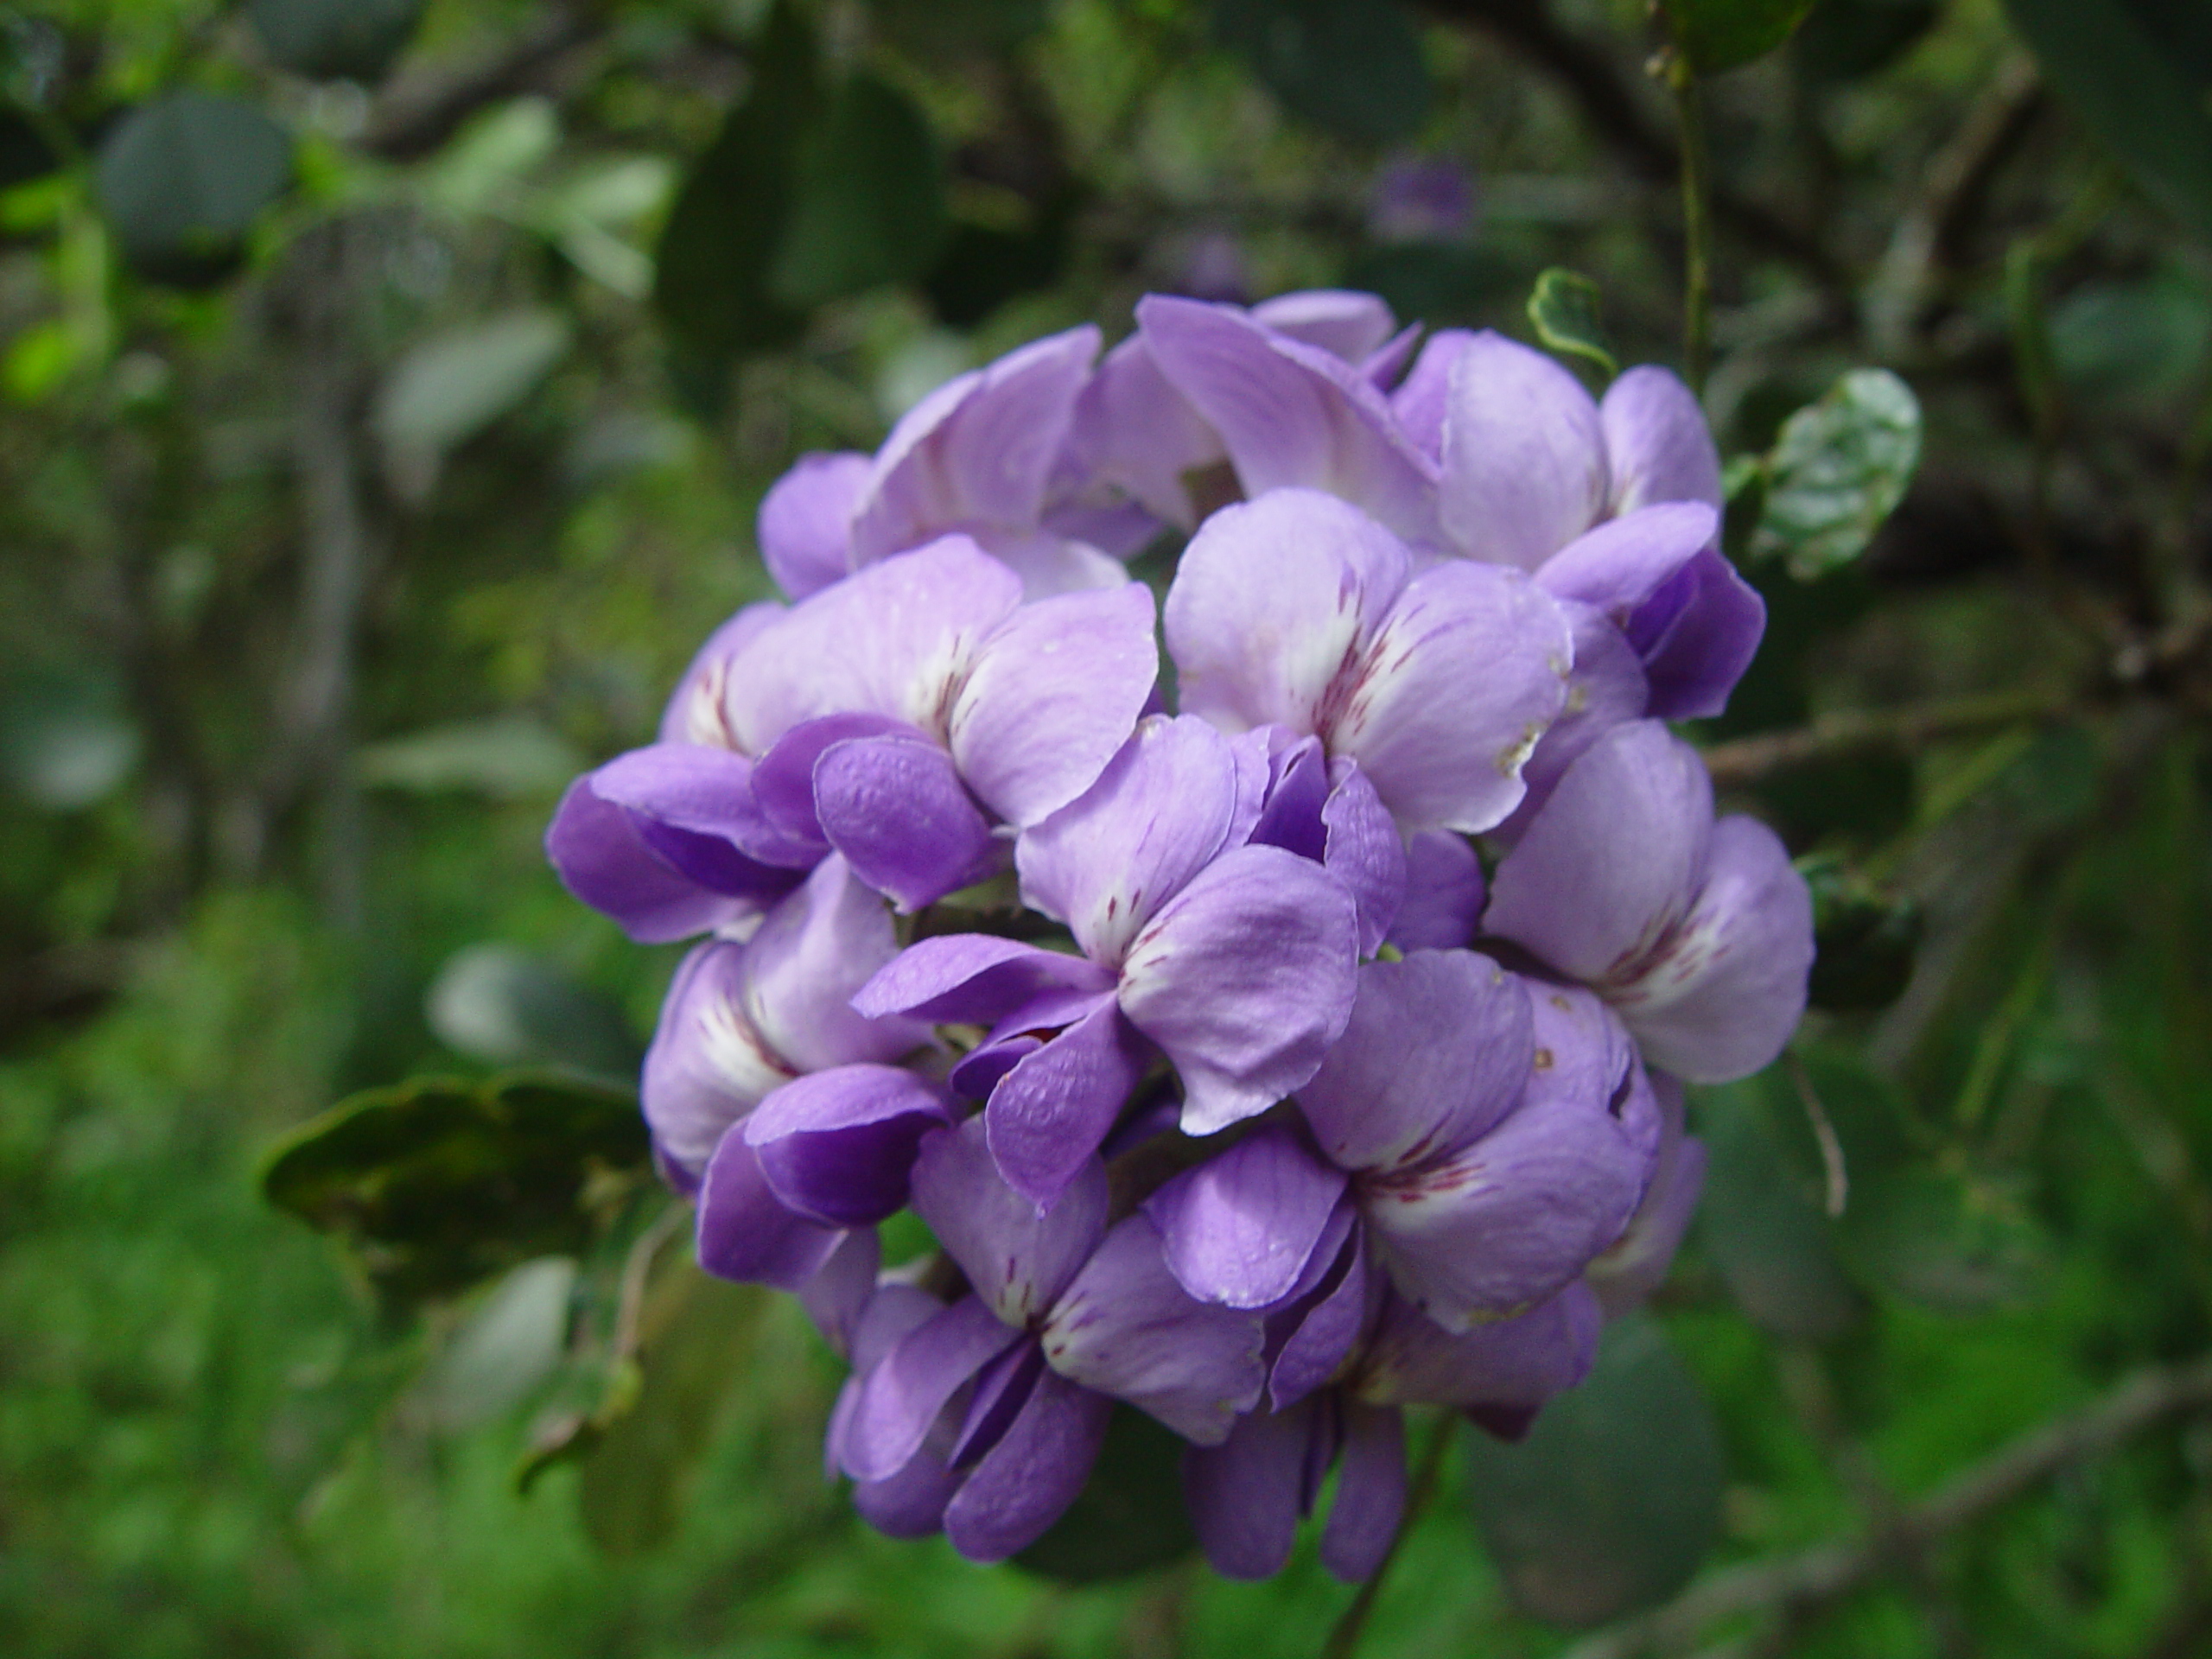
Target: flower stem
[
  {"x": 1697, "y": 222},
  {"x": 1344, "y": 1639}
]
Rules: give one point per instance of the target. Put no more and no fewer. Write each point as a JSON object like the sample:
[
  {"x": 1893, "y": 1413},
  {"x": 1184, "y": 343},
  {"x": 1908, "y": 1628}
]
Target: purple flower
[
  {"x": 1234, "y": 960},
  {"x": 743, "y": 1019},
  {"x": 1298, "y": 610},
  {"x": 1699, "y": 934},
  {"x": 1420, "y": 198},
  {"x": 999, "y": 1401},
  {"x": 1626, "y": 1276}
]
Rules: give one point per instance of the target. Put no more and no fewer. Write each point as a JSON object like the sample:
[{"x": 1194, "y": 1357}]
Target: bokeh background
[{"x": 386, "y": 390}]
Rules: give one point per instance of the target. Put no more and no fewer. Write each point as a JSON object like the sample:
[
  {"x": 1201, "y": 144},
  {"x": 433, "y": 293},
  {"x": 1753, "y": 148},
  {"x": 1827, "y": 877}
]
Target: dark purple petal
[
  {"x": 1240, "y": 1228},
  {"x": 1614, "y": 859},
  {"x": 974, "y": 979},
  {"x": 895, "y": 807},
  {"x": 1298, "y": 793},
  {"x": 1017, "y": 1260},
  {"x": 747, "y": 1234},
  {"x": 1370, "y": 1498},
  {"x": 1048, "y": 1114},
  {"x": 1003, "y": 1388},
  {"x": 1436, "y": 1052},
  {"x": 707, "y": 794},
  {"x": 1245, "y": 979},
  {"x": 1619, "y": 565},
  {"x": 1694, "y": 662},
  {"x": 888, "y": 1314},
  {"x": 1445, "y": 893},
  {"x": 838, "y": 1295},
  {"x": 1245, "y": 1495},
  {"x": 805, "y": 527},
  {"x": 600, "y": 857},
  {"x": 910, "y": 1503},
  {"x": 1127, "y": 1329},
  {"x": 1657, "y": 445},
  {"x": 1054, "y": 693},
  {"x": 1319, "y": 1333},
  {"x": 1521, "y": 1360},
  {"x": 1524, "y": 454},
  {"x": 906, "y": 1388},
  {"x": 1026, "y": 1481},
  {"x": 1627, "y": 1274},
  {"x": 1364, "y": 851},
  {"x": 783, "y": 779},
  {"x": 838, "y": 1147}
]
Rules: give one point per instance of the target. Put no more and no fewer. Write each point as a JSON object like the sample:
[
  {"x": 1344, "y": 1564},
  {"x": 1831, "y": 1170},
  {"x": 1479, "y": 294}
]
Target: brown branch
[
  {"x": 1747, "y": 759},
  {"x": 1796, "y": 1583},
  {"x": 1609, "y": 103}
]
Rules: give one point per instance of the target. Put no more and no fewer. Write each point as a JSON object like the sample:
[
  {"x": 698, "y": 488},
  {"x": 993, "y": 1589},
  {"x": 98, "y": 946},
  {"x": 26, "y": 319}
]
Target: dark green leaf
[
  {"x": 1867, "y": 939},
  {"x": 1353, "y": 66},
  {"x": 437, "y": 1183},
  {"x": 1848, "y": 40},
  {"x": 639, "y": 1468},
  {"x": 959, "y": 26},
  {"x": 1614, "y": 1497},
  {"x": 869, "y": 207},
  {"x": 1838, "y": 471},
  {"x": 1719, "y": 34},
  {"x": 496, "y": 1004},
  {"x": 2131, "y": 344},
  {"x": 1958, "y": 1243},
  {"x": 1564, "y": 308},
  {"x": 183, "y": 179},
  {"x": 1763, "y": 1223},
  {"x": 711, "y": 276},
  {"x": 2143, "y": 98},
  {"x": 2030, "y": 322},
  {"x": 983, "y": 266},
  {"x": 1129, "y": 1518},
  {"x": 335, "y": 39}
]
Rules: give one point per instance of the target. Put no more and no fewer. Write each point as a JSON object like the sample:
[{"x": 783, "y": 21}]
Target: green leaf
[
  {"x": 493, "y": 1003},
  {"x": 1131, "y": 1518},
  {"x": 1957, "y": 1243},
  {"x": 1867, "y": 939},
  {"x": 510, "y": 1343},
  {"x": 1837, "y": 472},
  {"x": 335, "y": 39},
  {"x": 985, "y": 265},
  {"x": 181, "y": 180},
  {"x": 710, "y": 284},
  {"x": 2117, "y": 67},
  {"x": 1761, "y": 1219},
  {"x": 451, "y": 387},
  {"x": 507, "y": 758},
  {"x": 1564, "y": 308},
  {"x": 1849, "y": 40},
  {"x": 1721, "y": 35},
  {"x": 1353, "y": 66},
  {"x": 1614, "y": 1497},
  {"x": 869, "y": 207},
  {"x": 956, "y": 26},
  {"x": 696, "y": 1335},
  {"x": 436, "y": 1184}
]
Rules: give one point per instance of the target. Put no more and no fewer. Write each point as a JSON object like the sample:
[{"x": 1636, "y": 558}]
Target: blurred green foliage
[{"x": 386, "y": 392}]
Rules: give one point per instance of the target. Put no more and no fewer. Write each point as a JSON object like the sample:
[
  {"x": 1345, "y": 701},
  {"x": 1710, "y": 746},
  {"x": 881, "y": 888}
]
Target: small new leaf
[
  {"x": 1867, "y": 939},
  {"x": 1837, "y": 472},
  {"x": 1720, "y": 34},
  {"x": 1564, "y": 309}
]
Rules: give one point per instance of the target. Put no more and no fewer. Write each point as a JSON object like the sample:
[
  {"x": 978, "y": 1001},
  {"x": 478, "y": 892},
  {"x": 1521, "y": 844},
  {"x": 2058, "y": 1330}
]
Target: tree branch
[
  {"x": 1798, "y": 1583},
  {"x": 419, "y": 113},
  {"x": 1747, "y": 759}
]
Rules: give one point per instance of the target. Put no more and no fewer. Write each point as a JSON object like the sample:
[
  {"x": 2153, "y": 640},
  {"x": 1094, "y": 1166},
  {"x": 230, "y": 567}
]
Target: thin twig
[
  {"x": 1747, "y": 759},
  {"x": 1811, "y": 1577},
  {"x": 1344, "y": 1638},
  {"x": 1697, "y": 223}
]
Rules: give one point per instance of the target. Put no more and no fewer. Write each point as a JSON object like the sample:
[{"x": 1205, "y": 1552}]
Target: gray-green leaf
[
  {"x": 1353, "y": 66},
  {"x": 1838, "y": 471},
  {"x": 1564, "y": 309},
  {"x": 183, "y": 179}
]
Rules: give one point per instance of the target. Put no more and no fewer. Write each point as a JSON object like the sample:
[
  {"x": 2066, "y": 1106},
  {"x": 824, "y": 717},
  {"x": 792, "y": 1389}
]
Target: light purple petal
[
  {"x": 747, "y": 1234},
  {"x": 1421, "y": 399},
  {"x": 709, "y": 1064},
  {"x": 1162, "y": 808},
  {"x": 805, "y": 528},
  {"x": 837, "y": 1147},
  {"x": 974, "y": 979},
  {"x": 1626, "y": 1275},
  {"x": 1720, "y": 997},
  {"x": 906, "y": 1389},
  {"x": 1445, "y": 891},
  {"x": 1049, "y": 1114},
  {"x": 694, "y": 714},
  {"x": 1342, "y": 322},
  {"x": 1135, "y": 432},
  {"x": 601, "y": 857},
  {"x": 1052, "y": 565},
  {"x": 896, "y": 639},
  {"x": 706, "y": 796},
  {"x": 1524, "y": 454},
  {"x": 1245, "y": 979},
  {"x": 1290, "y": 415},
  {"x": 1437, "y": 1050},
  {"x": 1127, "y": 1329},
  {"x": 1521, "y": 1360},
  {"x": 1656, "y": 441},
  {"x": 895, "y": 808},
  {"x": 1452, "y": 694},
  {"x": 1370, "y": 1498},
  {"x": 1240, "y": 1229},
  {"x": 979, "y": 451},
  {"x": 1620, "y": 564},
  {"x": 1245, "y": 1495},
  {"x": 1607, "y": 689},
  {"x": 1017, "y": 1260},
  {"x": 1714, "y": 630},
  {"x": 1364, "y": 851},
  {"x": 1613, "y": 861},
  {"x": 1027, "y": 1480},
  {"x": 1271, "y": 603},
  {"x": 816, "y": 949},
  {"x": 1055, "y": 691}
]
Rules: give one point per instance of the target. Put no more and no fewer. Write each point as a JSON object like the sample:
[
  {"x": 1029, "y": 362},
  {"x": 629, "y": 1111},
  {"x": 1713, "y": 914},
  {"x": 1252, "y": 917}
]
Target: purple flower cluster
[{"x": 1270, "y": 1043}]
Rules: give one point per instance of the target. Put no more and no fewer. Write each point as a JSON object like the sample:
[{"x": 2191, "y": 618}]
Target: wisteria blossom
[{"x": 1272, "y": 1036}]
